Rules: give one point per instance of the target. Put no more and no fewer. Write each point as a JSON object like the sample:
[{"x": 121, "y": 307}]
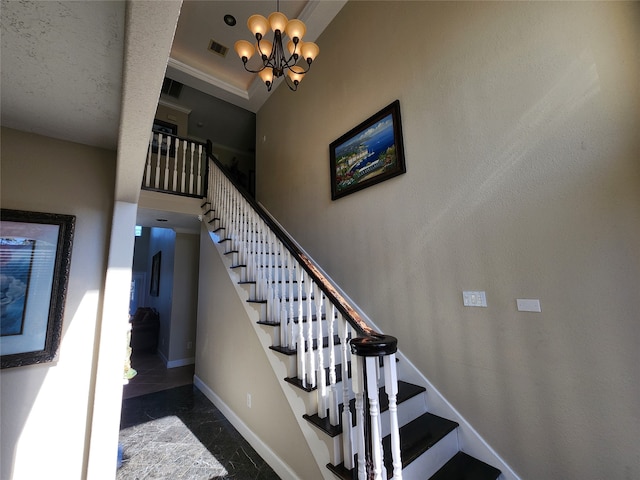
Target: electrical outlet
[
  {"x": 249, "y": 400},
  {"x": 189, "y": 345}
]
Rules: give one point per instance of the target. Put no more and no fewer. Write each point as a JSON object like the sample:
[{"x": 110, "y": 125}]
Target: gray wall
[
  {"x": 521, "y": 126},
  {"x": 163, "y": 240},
  {"x": 178, "y": 295},
  {"x": 217, "y": 120},
  {"x": 45, "y": 409},
  {"x": 184, "y": 309}
]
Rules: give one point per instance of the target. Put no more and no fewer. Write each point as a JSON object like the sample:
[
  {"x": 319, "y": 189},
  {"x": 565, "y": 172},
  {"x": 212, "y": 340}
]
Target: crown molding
[{"x": 204, "y": 77}]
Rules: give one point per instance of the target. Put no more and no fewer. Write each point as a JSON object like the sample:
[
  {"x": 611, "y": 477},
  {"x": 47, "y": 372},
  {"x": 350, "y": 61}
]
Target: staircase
[{"x": 375, "y": 423}]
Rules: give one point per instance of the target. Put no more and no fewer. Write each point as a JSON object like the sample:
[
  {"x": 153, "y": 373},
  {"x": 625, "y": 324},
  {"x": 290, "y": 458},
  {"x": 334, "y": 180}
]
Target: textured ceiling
[{"x": 62, "y": 69}]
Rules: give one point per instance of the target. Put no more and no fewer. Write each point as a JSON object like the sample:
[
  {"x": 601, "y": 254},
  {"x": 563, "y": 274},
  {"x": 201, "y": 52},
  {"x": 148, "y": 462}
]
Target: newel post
[{"x": 371, "y": 354}]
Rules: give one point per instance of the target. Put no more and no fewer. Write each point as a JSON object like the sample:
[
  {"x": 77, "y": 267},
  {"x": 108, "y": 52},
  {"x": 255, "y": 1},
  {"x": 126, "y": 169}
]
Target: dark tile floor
[
  {"x": 177, "y": 433},
  {"x": 154, "y": 376}
]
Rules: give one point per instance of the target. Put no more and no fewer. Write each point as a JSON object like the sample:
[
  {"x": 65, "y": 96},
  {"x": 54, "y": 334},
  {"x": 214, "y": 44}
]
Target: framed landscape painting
[
  {"x": 368, "y": 154},
  {"x": 35, "y": 256},
  {"x": 154, "y": 288}
]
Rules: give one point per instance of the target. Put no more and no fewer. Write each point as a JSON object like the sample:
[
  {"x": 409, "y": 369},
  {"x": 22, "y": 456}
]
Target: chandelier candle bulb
[
  {"x": 278, "y": 21},
  {"x": 310, "y": 51},
  {"x": 244, "y": 49},
  {"x": 264, "y": 47},
  {"x": 258, "y": 25},
  {"x": 294, "y": 49},
  {"x": 266, "y": 75},
  {"x": 296, "y": 74},
  {"x": 296, "y": 29}
]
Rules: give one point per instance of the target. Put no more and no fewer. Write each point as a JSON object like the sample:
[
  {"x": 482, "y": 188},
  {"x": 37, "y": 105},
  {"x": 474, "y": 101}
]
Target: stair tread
[
  {"x": 465, "y": 467},
  {"x": 405, "y": 392},
  {"x": 416, "y": 437}
]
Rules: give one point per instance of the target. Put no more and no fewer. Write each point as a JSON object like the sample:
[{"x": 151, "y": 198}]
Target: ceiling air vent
[
  {"x": 171, "y": 87},
  {"x": 218, "y": 48}
]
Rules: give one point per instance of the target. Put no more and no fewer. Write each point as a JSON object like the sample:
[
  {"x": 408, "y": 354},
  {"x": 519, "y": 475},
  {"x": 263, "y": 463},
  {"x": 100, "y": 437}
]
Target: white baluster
[
  {"x": 321, "y": 377},
  {"x": 199, "y": 184},
  {"x": 191, "y": 170},
  {"x": 270, "y": 277},
  {"x": 371, "y": 365},
  {"x": 282, "y": 320},
  {"x": 391, "y": 387},
  {"x": 311, "y": 363},
  {"x": 275, "y": 285},
  {"x": 302, "y": 363},
  {"x": 357, "y": 384},
  {"x": 184, "y": 162},
  {"x": 260, "y": 262},
  {"x": 348, "y": 446},
  {"x": 237, "y": 223},
  {"x": 147, "y": 176},
  {"x": 166, "y": 163},
  {"x": 242, "y": 239},
  {"x": 158, "y": 157},
  {"x": 263, "y": 261},
  {"x": 251, "y": 260},
  {"x": 291, "y": 323},
  {"x": 333, "y": 394},
  {"x": 174, "y": 184}
]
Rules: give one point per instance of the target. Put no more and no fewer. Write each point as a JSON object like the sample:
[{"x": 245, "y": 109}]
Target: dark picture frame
[
  {"x": 154, "y": 288},
  {"x": 368, "y": 154},
  {"x": 35, "y": 259}
]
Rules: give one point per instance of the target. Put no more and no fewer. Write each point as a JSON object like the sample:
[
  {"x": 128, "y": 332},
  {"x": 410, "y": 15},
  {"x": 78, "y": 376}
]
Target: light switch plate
[
  {"x": 528, "y": 305},
  {"x": 474, "y": 299}
]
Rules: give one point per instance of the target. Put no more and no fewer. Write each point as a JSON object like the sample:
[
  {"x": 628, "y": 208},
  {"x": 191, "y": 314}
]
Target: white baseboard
[
  {"x": 283, "y": 470},
  {"x": 181, "y": 362}
]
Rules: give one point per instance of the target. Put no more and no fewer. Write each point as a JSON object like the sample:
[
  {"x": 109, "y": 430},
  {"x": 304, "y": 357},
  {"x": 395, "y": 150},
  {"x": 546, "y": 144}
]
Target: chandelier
[{"x": 275, "y": 61}]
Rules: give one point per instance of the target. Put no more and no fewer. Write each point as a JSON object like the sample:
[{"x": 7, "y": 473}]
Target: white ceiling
[{"x": 62, "y": 61}]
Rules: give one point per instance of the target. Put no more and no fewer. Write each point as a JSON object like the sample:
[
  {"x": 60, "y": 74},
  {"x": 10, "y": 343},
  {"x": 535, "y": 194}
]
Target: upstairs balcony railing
[{"x": 176, "y": 165}]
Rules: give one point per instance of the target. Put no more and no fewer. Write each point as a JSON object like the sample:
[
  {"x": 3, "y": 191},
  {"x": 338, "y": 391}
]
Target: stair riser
[
  {"x": 433, "y": 459},
  {"x": 407, "y": 411}
]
